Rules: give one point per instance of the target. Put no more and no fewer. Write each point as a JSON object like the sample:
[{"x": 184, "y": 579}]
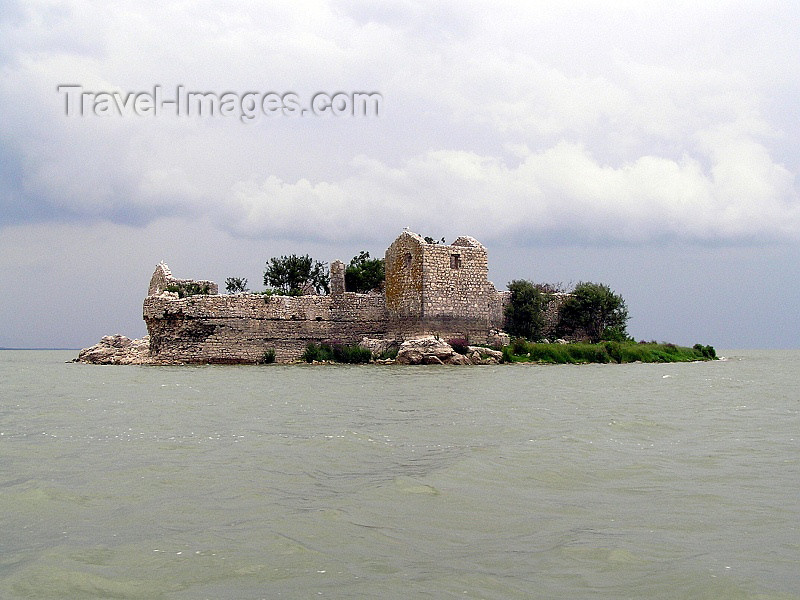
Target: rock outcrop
[
  {"x": 377, "y": 346},
  {"x": 428, "y": 350},
  {"x": 117, "y": 350},
  {"x": 485, "y": 356},
  {"x": 425, "y": 350}
]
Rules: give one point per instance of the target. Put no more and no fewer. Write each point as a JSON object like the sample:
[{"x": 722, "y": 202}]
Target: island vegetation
[
  {"x": 364, "y": 274},
  {"x": 336, "y": 352},
  {"x": 591, "y": 326},
  {"x": 289, "y": 275},
  {"x": 236, "y": 285},
  {"x": 595, "y": 316},
  {"x": 385, "y": 311},
  {"x": 520, "y": 350},
  {"x": 189, "y": 288}
]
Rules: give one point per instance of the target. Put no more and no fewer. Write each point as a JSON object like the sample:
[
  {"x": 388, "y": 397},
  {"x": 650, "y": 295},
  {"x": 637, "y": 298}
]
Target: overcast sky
[{"x": 650, "y": 146}]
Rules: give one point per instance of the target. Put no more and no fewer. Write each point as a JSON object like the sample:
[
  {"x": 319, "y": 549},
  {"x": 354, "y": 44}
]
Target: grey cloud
[{"x": 611, "y": 140}]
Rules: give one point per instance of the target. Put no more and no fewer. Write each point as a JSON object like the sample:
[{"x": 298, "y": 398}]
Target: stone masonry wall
[
  {"x": 240, "y": 328},
  {"x": 456, "y": 282},
  {"x": 441, "y": 289},
  {"x": 551, "y": 314},
  {"x": 430, "y": 289},
  {"x": 403, "y": 266},
  {"x": 497, "y": 306},
  {"x": 162, "y": 278}
]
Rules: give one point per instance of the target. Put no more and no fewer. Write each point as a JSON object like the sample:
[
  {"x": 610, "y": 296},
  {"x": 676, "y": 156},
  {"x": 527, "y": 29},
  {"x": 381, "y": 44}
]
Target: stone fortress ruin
[{"x": 430, "y": 289}]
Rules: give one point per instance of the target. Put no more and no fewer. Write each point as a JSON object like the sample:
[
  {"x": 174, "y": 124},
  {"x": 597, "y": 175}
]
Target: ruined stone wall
[
  {"x": 240, "y": 328},
  {"x": 431, "y": 289},
  {"x": 456, "y": 294},
  {"x": 497, "y": 306},
  {"x": 162, "y": 278},
  {"x": 440, "y": 289},
  {"x": 551, "y": 313},
  {"x": 456, "y": 282},
  {"x": 337, "y": 278},
  {"x": 403, "y": 267}
]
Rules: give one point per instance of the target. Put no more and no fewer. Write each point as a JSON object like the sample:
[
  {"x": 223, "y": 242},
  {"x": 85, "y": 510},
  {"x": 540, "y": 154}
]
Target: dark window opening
[
  {"x": 455, "y": 261},
  {"x": 408, "y": 259}
]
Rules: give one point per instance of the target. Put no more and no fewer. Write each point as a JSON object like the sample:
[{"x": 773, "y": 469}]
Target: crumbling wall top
[
  {"x": 162, "y": 278},
  {"x": 337, "y": 273},
  {"x": 469, "y": 242},
  {"x": 410, "y": 234},
  {"x": 159, "y": 280}
]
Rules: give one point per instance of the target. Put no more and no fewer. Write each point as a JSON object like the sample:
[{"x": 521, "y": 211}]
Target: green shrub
[
  {"x": 336, "y": 352},
  {"x": 268, "y": 356},
  {"x": 390, "y": 352},
  {"x": 189, "y": 288},
  {"x": 614, "y": 351},
  {"x": 525, "y": 311},
  {"x": 519, "y": 346},
  {"x": 288, "y": 274},
  {"x": 236, "y": 285},
  {"x": 316, "y": 352},
  {"x": 605, "y": 352},
  {"x": 508, "y": 355},
  {"x": 548, "y": 353},
  {"x": 595, "y": 311},
  {"x": 585, "y": 353},
  {"x": 364, "y": 274},
  {"x": 351, "y": 354},
  {"x": 706, "y": 351}
]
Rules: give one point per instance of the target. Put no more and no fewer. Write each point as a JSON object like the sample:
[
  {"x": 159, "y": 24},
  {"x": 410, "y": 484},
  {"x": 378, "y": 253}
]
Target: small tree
[
  {"x": 429, "y": 240},
  {"x": 235, "y": 285},
  {"x": 525, "y": 312},
  {"x": 364, "y": 274},
  {"x": 595, "y": 311},
  {"x": 288, "y": 274}
]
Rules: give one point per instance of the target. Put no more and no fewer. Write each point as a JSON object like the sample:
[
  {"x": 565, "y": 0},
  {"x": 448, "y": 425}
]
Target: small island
[{"x": 425, "y": 302}]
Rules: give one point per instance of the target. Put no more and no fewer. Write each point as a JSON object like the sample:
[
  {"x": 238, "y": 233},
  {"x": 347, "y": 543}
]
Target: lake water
[{"x": 504, "y": 482}]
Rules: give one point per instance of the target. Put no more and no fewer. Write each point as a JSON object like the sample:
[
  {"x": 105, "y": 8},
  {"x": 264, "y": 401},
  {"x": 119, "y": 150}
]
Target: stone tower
[{"x": 440, "y": 289}]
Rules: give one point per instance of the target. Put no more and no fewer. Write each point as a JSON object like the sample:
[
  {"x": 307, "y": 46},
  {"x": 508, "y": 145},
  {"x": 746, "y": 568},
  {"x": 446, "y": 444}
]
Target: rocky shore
[
  {"x": 427, "y": 350},
  {"x": 118, "y": 350}
]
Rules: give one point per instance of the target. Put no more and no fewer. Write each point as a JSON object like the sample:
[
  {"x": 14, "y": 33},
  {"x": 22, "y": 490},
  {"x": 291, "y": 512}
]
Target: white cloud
[{"x": 578, "y": 121}]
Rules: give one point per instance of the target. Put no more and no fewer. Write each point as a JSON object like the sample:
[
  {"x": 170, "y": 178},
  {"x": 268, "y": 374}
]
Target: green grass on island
[
  {"x": 522, "y": 351},
  {"x": 336, "y": 352}
]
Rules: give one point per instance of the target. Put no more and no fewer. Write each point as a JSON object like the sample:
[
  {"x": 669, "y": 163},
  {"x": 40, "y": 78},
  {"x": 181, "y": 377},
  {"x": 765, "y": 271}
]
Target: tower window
[{"x": 455, "y": 261}]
